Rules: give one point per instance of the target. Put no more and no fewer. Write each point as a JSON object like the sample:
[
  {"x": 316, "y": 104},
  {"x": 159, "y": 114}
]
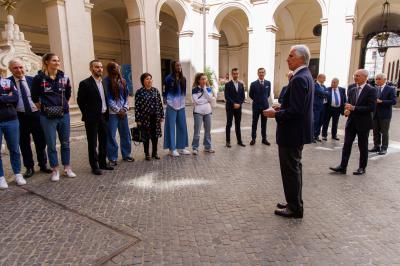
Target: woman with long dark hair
[
  {"x": 118, "y": 102},
  {"x": 51, "y": 91},
  {"x": 149, "y": 114},
  {"x": 175, "y": 129}
]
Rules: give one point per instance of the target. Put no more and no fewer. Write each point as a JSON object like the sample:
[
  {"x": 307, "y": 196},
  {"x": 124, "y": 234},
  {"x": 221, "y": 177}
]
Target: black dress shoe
[
  {"x": 318, "y": 139},
  {"x": 29, "y": 173},
  {"x": 147, "y": 158},
  {"x": 324, "y": 138},
  {"x": 360, "y": 171},
  {"x": 266, "y": 142},
  {"x": 288, "y": 213},
  {"x": 46, "y": 170},
  {"x": 241, "y": 144},
  {"x": 281, "y": 205},
  {"x": 252, "y": 142},
  {"x": 382, "y": 152},
  {"x": 228, "y": 145},
  {"x": 106, "y": 167},
  {"x": 128, "y": 159},
  {"x": 113, "y": 163},
  {"x": 375, "y": 149},
  {"x": 335, "y": 138},
  {"x": 338, "y": 169},
  {"x": 314, "y": 141},
  {"x": 155, "y": 156},
  {"x": 96, "y": 171}
]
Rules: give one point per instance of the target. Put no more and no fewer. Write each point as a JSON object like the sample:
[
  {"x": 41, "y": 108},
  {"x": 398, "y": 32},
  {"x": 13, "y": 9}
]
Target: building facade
[{"x": 146, "y": 35}]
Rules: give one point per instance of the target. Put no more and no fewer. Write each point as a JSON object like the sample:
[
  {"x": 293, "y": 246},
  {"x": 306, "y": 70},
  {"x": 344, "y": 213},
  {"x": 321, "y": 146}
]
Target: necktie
[
  {"x": 24, "y": 97},
  {"x": 336, "y": 98},
  {"x": 358, "y": 93},
  {"x": 379, "y": 91},
  {"x": 262, "y": 82}
]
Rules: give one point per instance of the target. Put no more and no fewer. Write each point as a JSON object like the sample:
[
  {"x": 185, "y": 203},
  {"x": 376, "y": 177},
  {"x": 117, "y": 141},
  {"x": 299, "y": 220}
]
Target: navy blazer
[
  {"x": 365, "y": 106},
  {"x": 388, "y": 97},
  {"x": 29, "y": 80},
  {"x": 295, "y": 118},
  {"x": 232, "y": 96},
  {"x": 260, "y": 94},
  {"x": 343, "y": 98},
  {"x": 320, "y": 94},
  {"x": 281, "y": 94}
]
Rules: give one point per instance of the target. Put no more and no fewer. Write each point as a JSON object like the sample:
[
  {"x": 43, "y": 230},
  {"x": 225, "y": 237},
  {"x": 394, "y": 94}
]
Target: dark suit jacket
[
  {"x": 365, "y": 106},
  {"x": 29, "y": 80},
  {"x": 295, "y": 119},
  {"x": 320, "y": 94},
  {"x": 343, "y": 98},
  {"x": 388, "y": 97},
  {"x": 89, "y": 100},
  {"x": 231, "y": 96},
  {"x": 283, "y": 91},
  {"x": 260, "y": 94}
]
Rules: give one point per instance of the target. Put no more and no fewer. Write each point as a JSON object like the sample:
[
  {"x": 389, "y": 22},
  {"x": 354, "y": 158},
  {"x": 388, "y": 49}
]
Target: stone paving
[{"x": 210, "y": 209}]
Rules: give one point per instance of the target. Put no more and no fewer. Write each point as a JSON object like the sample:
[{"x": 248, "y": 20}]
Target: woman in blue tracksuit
[
  {"x": 175, "y": 129},
  {"x": 51, "y": 88},
  {"x": 118, "y": 103}
]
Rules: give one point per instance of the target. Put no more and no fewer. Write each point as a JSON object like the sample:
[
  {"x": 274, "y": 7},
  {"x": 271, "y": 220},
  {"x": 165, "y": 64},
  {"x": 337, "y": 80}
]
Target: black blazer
[
  {"x": 361, "y": 117},
  {"x": 388, "y": 97},
  {"x": 295, "y": 119},
  {"x": 260, "y": 94},
  {"x": 343, "y": 98},
  {"x": 231, "y": 96},
  {"x": 89, "y": 100}
]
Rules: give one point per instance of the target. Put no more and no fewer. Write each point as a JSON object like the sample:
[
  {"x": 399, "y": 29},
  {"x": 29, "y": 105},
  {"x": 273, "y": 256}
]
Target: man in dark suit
[
  {"x": 336, "y": 100},
  {"x": 234, "y": 97},
  {"x": 294, "y": 129},
  {"x": 284, "y": 88},
  {"x": 260, "y": 91},
  {"x": 359, "y": 109},
  {"x": 29, "y": 121},
  {"x": 386, "y": 99},
  {"x": 92, "y": 101},
  {"x": 319, "y": 107}
]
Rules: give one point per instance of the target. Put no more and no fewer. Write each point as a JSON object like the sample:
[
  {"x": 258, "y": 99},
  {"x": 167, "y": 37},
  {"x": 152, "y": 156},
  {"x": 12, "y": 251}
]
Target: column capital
[
  {"x": 214, "y": 36},
  {"x": 88, "y": 6},
  {"x": 249, "y": 30},
  {"x": 53, "y": 2},
  {"x": 324, "y": 21},
  {"x": 135, "y": 21},
  {"x": 186, "y": 33},
  {"x": 350, "y": 19},
  {"x": 271, "y": 28},
  {"x": 259, "y": 2}
]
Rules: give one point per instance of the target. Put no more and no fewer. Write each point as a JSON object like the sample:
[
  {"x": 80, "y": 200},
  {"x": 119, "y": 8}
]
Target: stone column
[
  {"x": 324, "y": 39},
  {"x": 138, "y": 50},
  {"x": 213, "y": 53},
  {"x": 71, "y": 38},
  {"x": 185, "y": 57}
]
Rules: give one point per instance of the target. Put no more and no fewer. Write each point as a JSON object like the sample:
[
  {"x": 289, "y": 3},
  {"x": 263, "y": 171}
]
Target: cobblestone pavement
[{"x": 210, "y": 209}]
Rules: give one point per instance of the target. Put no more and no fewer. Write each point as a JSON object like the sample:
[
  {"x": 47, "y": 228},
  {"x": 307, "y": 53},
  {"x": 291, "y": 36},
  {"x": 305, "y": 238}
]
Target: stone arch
[
  {"x": 322, "y": 4},
  {"x": 180, "y": 11},
  {"x": 218, "y": 16},
  {"x": 134, "y": 9}
]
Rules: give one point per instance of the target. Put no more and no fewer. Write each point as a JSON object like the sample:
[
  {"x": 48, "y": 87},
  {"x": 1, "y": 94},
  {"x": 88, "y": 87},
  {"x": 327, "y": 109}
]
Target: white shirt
[
  {"x": 358, "y": 92},
  {"x": 333, "y": 102},
  {"x": 236, "y": 83},
  {"x": 20, "y": 104},
  {"x": 101, "y": 91},
  {"x": 298, "y": 69}
]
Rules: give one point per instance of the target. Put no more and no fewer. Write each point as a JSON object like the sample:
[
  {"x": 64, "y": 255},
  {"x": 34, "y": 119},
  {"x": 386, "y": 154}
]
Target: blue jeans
[
  {"x": 10, "y": 129},
  {"x": 175, "y": 139},
  {"x": 121, "y": 124},
  {"x": 198, "y": 120},
  {"x": 52, "y": 126}
]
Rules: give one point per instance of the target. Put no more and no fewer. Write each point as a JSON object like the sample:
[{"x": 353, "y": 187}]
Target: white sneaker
[
  {"x": 184, "y": 152},
  {"x": 195, "y": 152},
  {"x": 20, "y": 180},
  {"x": 55, "y": 176},
  {"x": 174, "y": 153},
  {"x": 209, "y": 150},
  {"x": 3, "y": 183},
  {"x": 69, "y": 173}
]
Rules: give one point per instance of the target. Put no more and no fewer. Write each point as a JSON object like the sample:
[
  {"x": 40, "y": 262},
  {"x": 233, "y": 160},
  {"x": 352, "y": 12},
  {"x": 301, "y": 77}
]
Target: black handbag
[
  {"x": 136, "y": 133},
  {"x": 53, "y": 112}
]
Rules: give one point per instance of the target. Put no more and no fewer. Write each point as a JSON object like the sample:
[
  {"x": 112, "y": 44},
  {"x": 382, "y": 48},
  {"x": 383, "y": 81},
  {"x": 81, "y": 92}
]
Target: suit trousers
[
  {"x": 257, "y": 112},
  {"x": 334, "y": 113},
  {"x": 96, "y": 130},
  {"x": 350, "y": 134},
  {"x": 30, "y": 124},
  {"x": 381, "y": 132},
  {"x": 319, "y": 114},
  {"x": 292, "y": 176},
  {"x": 230, "y": 114}
]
